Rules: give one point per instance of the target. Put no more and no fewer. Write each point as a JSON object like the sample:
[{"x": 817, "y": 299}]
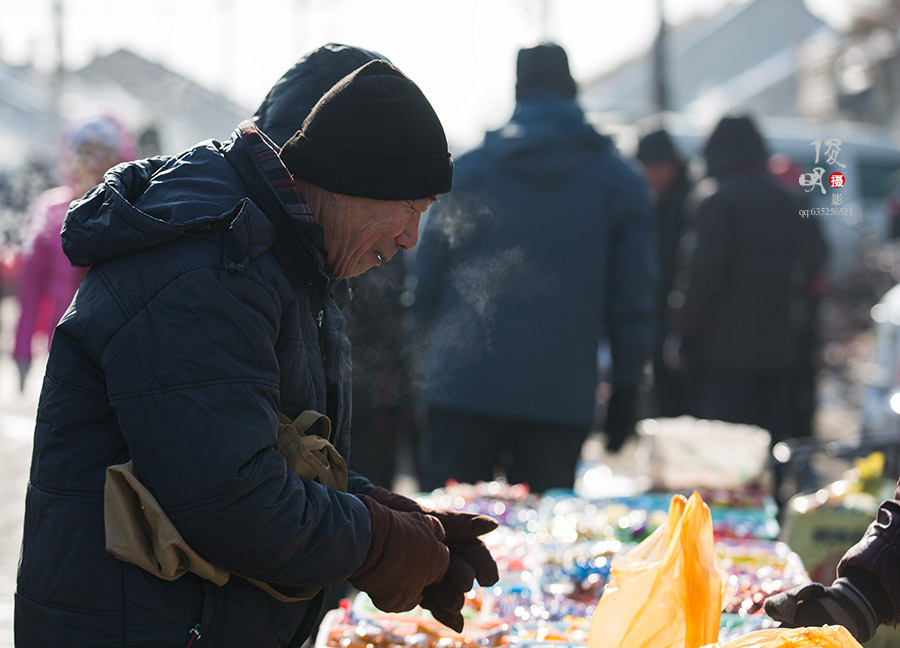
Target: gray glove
[{"x": 843, "y": 603}]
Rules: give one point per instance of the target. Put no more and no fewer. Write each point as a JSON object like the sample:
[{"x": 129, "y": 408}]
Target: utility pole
[
  {"x": 226, "y": 73},
  {"x": 545, "y": 20},
  {"x": 300, "y": 25},
  {"x": 58, "y": 74},
  {"x": 660, "y": 70}
]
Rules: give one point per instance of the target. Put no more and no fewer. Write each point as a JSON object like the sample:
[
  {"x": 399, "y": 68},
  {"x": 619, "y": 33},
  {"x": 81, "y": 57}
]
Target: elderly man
[{"x": 208, "y": 326}]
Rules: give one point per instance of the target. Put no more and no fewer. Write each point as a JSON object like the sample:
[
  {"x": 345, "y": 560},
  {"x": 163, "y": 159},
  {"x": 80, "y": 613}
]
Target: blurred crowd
[
  {"x": 33, "y": 204},
  {"x": 563, "y": 287}
]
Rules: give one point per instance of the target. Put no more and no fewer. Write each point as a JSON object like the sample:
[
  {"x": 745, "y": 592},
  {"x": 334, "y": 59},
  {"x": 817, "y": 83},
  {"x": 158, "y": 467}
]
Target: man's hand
[
  {"x": 470, "y": 559},
  {"x": 406, "y": 554}
]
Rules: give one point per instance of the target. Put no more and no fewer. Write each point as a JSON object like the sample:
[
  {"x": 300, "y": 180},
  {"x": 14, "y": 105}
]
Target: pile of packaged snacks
[
  {"x": 554, "y": 554},
  {"x": 756, "y": 569},
  {"x": 363, "y": 626}
]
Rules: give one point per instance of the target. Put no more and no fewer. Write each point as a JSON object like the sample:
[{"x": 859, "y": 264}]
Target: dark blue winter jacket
[
  {"x": 183, "y": 344},
  {"x": 544, "y": 246}
]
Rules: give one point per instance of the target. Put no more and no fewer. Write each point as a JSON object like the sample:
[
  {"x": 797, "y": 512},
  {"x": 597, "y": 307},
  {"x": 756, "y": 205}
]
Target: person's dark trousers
[
  {"x": 377, "y": 440},
  {"x": 471, "y": 448},
  {"x": 373, "y": 449},
  {"x": 766, "y": 399},
  {"x": 668, "y": 397}
]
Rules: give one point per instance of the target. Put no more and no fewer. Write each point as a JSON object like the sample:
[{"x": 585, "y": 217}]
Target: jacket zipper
[
  {"x": 207, "y": 607},
  {"x": 195, "y": 636}
]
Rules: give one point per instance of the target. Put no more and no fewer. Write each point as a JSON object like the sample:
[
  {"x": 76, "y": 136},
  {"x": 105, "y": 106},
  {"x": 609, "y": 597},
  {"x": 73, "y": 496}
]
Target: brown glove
[
  {"x": 406, "y": 554},
  {"x": 445, "y": 599},
  {"x": 469, "y": 557}
]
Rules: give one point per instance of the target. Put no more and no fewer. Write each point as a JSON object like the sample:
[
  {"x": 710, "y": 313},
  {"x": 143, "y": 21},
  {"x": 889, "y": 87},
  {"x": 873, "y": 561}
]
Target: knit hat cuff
[{"x": 354, "y": 175}]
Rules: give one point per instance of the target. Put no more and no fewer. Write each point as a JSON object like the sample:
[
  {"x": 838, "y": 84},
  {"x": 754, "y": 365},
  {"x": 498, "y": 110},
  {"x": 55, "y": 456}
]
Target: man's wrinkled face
[{"x": 361, "y": 233}]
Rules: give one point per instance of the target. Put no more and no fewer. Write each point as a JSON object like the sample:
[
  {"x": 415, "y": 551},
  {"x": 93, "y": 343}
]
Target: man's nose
[{"x": 410, "y": 234}]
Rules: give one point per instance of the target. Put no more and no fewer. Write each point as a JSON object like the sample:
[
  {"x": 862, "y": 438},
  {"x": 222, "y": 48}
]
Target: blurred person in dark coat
[
  {"x": 383, "y": 402},
  {"x": 544, "y": 247},
  {"x": 807, "y": 304},
  {"x": 384, "y": 396},
  {"x": 667, "y": 175},
  {"x": 741, "y": 323}
]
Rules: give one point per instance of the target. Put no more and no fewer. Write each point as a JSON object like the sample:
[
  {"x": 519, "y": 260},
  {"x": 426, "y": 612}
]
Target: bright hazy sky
[{"x": 460, "y": 52}]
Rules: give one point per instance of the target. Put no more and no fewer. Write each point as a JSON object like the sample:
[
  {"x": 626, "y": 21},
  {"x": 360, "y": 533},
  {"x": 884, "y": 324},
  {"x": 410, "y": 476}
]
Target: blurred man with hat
[
  {"x": 667, "y": 174},
  {"x": 543, "y": 249}
]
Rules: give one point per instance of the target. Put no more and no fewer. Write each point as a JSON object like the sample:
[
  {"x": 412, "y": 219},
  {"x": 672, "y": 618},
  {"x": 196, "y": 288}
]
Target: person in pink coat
[{"x": 48, "y": 281}]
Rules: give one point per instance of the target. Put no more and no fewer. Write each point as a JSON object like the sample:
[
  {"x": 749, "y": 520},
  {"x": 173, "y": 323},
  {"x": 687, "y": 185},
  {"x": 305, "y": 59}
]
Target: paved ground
[
  {"x": 837, "y": 420},
  {"x": 17, "y": 410}
]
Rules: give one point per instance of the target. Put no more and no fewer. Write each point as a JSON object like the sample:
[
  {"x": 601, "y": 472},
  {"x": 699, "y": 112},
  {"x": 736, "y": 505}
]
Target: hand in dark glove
[
  {"x": 458, "y": 525},
  {"x": 406, "y": 554},
  {"x": 469, "y": 557},
  {"x": 843, "y": 603},
  {"x": 621, "y": 416}
]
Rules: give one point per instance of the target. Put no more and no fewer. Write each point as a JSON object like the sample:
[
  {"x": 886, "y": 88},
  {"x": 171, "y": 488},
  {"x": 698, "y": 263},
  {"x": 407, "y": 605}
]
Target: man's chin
[{"x": 357, "y": 271}]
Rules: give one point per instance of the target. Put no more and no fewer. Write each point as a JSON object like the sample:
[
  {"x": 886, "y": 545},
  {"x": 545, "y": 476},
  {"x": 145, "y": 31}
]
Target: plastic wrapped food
[{"x": 824, "y": 637}]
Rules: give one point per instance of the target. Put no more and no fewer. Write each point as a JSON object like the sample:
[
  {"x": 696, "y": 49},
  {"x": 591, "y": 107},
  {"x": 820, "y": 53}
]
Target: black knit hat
[
  {"x": 293, "y": 96},
  {"x": 374, "y": 135},
  {"x": 543, "y": 71},
  {"x": 656, "y": 146},
  {"x": 735, "y": 143}
]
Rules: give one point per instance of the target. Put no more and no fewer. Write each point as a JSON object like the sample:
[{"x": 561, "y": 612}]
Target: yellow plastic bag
[
  {"x": 824, "y": 637},
  {"x": 667, "y": 592}
]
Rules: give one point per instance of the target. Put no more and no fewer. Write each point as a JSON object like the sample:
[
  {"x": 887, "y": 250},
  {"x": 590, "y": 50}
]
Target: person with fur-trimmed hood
[{"x": 189, "y": 480}]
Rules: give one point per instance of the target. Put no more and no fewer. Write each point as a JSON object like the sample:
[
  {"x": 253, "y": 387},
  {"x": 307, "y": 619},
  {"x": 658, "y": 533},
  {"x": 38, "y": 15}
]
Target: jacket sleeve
[
  {"x": 193, "y": 379},
  {"x": 708, "y": 269},
  {"x": 878, "y": 553},
  {"x": 358, "y": 484},
  {"x": 633, "y": 278}
]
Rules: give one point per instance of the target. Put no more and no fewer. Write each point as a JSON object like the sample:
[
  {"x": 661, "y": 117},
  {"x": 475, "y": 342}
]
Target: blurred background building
[{"x": 808, "y": 70}]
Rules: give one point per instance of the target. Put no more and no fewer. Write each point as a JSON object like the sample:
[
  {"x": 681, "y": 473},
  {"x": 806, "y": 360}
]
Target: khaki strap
[
  {"x": 310, "y": 455},
  {"x": 138, "y": 531}
]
